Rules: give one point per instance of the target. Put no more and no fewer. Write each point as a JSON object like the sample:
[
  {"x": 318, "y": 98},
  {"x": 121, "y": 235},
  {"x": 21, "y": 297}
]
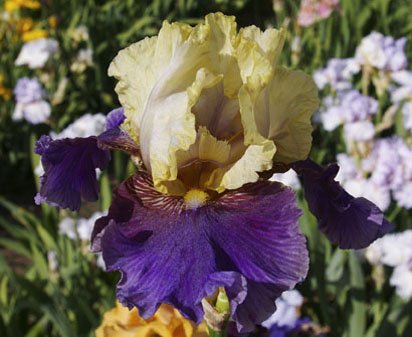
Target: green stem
[
  {"x": 214, "y": 333},
  {"x": 217, "y": 313}
]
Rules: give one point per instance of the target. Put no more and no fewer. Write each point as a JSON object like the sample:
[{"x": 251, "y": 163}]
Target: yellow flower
[
  {"x": 12, "y": 5},
  {"x": 52, "y": 22},
  {"x": 34, "y": 35},
  {"x": 167, "y": 322},
  {"x": 26, "y": 30},
  {"x": 210, "y": 107}
]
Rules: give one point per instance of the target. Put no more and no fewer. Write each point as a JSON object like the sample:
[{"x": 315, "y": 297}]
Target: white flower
[
  {"x": 286, "y": 313},
  {"x": 39, "y": 170},
  {"x": 359, "y": 131},
  {"x": 79, "y": 34},
  {"x": 407, "y": 115},
  {"x": 361, "y": 187},
  {"x": 85, "y": 226},
  {"x": 36, "y": 53},
  {"x": 100, "y": 262},
  {"x": 374, "y": 253},
  {"x": 382, "y": 52},
  {"x": 67, "y": 227},
  {"x": 82, "y": 228},
  {"x": 401, "y": 279},
  {"x": 332, "y": 118},
  {"x": 83, "y": 60},
  {"x": 85, "y": 126},
  {"x": 36, "y": 112},
  {"x": 395, "y": 249},
  {"x": 289, "y": 178}
]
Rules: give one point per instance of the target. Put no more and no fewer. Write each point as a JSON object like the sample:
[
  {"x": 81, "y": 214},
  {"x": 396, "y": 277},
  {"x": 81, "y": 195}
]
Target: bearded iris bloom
[{"x": 206, "y": 112}]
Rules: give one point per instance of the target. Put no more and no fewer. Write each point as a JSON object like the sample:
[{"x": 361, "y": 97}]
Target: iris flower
[{"x": 207, "y": 112}]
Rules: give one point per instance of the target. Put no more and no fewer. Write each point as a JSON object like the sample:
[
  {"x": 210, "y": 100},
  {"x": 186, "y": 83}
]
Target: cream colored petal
[
  {"x": 283, "y": 113},
  {"x": 133, "y": 68},
  {"x": 256, "y": 72},
  {"x": 139, "y": 66},
  {"x": 168, "y": 125},
  {"x": 270, "y": 41},
  {"x": 222, "y": 51},
  {"x": 217, "y": 112},
  {"x": 257, "y": 158},
  {"x": 206, "y": 148}
]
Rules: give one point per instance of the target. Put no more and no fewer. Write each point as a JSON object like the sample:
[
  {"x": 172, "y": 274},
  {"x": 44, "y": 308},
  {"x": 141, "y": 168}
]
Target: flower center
[{"x": 195, "y": 198}]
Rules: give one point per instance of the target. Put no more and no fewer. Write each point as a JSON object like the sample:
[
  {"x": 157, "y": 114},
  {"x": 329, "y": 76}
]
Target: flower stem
[
  {"x": 217, "y": 313},
  {"x": 214, "y": 333}
]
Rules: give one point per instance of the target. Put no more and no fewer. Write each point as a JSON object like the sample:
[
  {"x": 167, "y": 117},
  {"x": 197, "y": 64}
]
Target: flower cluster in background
[
  {"x": 395, "y": 250},
  {"x": 377, "y": 161},
  {"x": 287, "y": 319},
  {"x": 30, "y": 101}
]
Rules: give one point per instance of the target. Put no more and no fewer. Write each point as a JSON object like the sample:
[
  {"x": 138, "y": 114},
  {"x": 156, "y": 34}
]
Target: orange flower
[{"x": 166, "y": 322}]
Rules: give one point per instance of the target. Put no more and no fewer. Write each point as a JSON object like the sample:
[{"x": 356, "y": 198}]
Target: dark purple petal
[
  {"x": 258, "y": 305},
  {"x": 349, "y": 222},
  {"x": 117, "y": 139},
  {"x": 115, "y": 118},
  {"x": 248, "y": 241},
  {"x": 70, "y": 170},
  {"x": 42, "y": 144}
]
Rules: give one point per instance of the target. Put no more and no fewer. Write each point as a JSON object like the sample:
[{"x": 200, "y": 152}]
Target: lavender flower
[
  {"x": 337, "y": 74},
  {"x": 402, "y": 96},
  {"x": 286, "y": 313},
  {"x": 386, "y": 170},
  {"x": 359, "y": 131},
  {"x": 28, "y": 90},
  {"x": 395, "y": 250},
  {"x": 36, "y": 53},
  {"x": 30, "y": 103},
  {"x": 352, "y": 109},
  {"x": 286, "y": 320},
  {"x": 382, "y": 52}
]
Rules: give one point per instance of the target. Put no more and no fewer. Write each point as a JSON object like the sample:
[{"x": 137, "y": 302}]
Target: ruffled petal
[
  {"x": 247, "y": 240},
  {"x": 282, "y": 112},
  {"x": 70, "y": 170},
  {"x": 270, "y": 41},
  {"x": 349, "y": 222}
]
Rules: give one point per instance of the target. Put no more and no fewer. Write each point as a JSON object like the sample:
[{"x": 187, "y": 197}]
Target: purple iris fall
[{"x": 206, "y": 111}]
